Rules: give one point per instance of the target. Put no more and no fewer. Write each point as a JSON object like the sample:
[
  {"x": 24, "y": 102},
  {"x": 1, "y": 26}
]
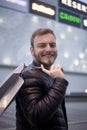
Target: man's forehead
[{"x": 44, "y": 37}]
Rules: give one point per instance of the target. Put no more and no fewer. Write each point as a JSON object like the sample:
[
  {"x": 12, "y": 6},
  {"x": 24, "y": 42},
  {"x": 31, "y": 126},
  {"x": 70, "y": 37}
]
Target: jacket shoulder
[{"x": 30, "y": 73}]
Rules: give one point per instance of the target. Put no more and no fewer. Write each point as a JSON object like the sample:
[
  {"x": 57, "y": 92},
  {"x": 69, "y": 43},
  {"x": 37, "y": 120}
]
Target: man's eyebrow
[
  {"x": 53, "y": 42},
  {"x": 40, "y": 43},
  {"x": 46, "y": 42}
]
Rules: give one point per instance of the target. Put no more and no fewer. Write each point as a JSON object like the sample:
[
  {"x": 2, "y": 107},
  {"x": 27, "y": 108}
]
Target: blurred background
[{"x": 68, "y": 20}]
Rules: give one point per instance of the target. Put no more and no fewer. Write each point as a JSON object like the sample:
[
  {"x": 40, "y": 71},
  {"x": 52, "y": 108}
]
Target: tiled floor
[{"x": 77, "y": 115}]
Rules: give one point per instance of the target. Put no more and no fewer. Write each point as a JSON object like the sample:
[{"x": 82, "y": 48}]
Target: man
[{"x": 40, "y": 102}]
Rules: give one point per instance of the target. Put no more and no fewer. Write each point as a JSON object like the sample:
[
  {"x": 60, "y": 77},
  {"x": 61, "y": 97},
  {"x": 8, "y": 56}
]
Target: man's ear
[{"x": 32, "y": 50}]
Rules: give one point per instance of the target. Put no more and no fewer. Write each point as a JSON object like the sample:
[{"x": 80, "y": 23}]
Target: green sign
[{"x": 69, "y": 18}]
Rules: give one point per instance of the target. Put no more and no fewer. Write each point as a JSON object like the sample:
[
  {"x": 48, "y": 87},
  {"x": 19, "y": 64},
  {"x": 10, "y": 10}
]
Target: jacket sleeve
[{"x": 38, "y": 104}]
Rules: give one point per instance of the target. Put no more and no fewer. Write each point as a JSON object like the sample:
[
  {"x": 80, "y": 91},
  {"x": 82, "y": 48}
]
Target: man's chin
[{"x": 47, "y": 64}]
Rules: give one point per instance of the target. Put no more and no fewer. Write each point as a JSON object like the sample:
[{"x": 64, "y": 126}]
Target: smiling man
[
  {"x": 43, "y": 48},
  {"x": 40, "y": 103}
]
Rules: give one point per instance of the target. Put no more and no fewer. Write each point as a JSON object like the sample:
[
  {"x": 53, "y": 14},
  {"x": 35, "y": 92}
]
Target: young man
[{"x": 40, "y": 102}]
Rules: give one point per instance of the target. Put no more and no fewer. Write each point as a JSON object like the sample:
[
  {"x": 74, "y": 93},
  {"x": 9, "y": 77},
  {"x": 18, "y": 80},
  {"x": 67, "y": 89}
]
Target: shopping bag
[{"x": 10, "y": 87}]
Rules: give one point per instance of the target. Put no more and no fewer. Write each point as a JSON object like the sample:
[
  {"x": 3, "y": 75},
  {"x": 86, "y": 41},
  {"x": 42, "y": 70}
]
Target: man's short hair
[{"x": 39, "y": 32}]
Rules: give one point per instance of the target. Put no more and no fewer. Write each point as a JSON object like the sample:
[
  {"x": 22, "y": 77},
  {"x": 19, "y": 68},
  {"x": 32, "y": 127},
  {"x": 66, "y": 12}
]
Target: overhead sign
[
  {"x": 73, "y": 12},
  {"x": 84, "y": 22},
  {"x": 20, "y": 5},
  {"x": 74, "y": 5},
  {"x": 69, "y": 18},
  {"x": 42, "y": 9}
]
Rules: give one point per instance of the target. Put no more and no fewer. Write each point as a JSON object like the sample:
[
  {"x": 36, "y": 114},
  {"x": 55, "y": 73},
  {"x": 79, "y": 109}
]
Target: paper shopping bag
[{"x": 10, "y": 87}]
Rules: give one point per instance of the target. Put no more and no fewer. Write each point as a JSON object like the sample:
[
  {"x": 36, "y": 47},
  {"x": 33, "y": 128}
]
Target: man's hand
[{"x": 54, "y": 72}]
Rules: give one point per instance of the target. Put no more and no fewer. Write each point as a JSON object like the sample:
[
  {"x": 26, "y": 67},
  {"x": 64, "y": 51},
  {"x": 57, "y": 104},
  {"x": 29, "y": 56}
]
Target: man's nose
[{"x": 48, "y": 48}]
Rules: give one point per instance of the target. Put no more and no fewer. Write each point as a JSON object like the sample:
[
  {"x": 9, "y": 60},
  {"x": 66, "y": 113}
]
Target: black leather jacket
[{"x": 40, "y": 102}]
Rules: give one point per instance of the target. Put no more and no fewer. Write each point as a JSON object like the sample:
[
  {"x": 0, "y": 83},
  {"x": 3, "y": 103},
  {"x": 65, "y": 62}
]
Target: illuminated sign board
[
  {"x": 42, "y": 9},
  {"x": 19, "y": 5},
  {"x": 73, "y": 12},
  {"x": 74, "y": 5},
  {"x": 84, "y": 22},
  {"x": 69, "y": 18}
]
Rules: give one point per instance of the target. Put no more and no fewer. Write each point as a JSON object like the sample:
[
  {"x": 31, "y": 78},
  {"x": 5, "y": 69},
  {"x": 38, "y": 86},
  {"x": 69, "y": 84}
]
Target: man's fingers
[
  {"x": 45, "y": 70},
  {"x": 55, "y": 71}
]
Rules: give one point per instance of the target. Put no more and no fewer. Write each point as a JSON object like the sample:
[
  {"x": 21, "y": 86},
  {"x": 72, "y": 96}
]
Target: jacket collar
[{"x": 34, "y": 63}]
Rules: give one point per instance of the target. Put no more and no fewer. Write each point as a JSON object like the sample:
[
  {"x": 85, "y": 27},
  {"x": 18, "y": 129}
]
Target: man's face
[{"x": 44, "y": 50}]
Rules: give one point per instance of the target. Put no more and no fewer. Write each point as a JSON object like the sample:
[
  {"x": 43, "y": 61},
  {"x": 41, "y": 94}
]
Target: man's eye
[
  {"x": 53, "y": 45},
  {"x": 41, "y": 46}
]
